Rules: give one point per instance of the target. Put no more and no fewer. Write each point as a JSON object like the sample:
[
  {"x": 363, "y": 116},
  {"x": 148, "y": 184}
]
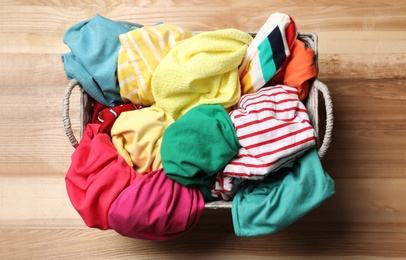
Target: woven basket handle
[
  {"x": 65, "y": 112},
  {"x": 317, "y": 84},
  {"x": 320, "y": 86}
]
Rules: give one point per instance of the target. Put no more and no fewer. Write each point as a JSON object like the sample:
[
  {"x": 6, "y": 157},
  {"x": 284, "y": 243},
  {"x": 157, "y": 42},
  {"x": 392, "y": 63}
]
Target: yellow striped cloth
[{"x": 141, "y": 51}]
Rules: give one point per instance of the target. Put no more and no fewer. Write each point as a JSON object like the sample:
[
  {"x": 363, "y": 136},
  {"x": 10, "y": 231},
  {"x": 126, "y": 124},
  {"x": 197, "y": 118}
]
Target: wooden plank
[
  {"x": 379, "y": 17},
  {"x": 32, "y": 136},
  {"x": 92, "y": 244},
  {"x": 355, "y": 128},
  {"x": 39, "y": 72},
  {"x": 373, "y": 200},
  {"x": 339, "y": 14},
  {"x": 383, "y": 96},
  {"x": 366, "y": 154},
  {"x": 362, "y": 59},
  {"x": 375, "y": 79},
  {"x": 368, "y": 104}
]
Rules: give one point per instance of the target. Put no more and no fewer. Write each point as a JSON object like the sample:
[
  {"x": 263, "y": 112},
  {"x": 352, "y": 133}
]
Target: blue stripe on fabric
[
  {"x": 266, "y": 59},
  {"x": 278, "y": 48}
]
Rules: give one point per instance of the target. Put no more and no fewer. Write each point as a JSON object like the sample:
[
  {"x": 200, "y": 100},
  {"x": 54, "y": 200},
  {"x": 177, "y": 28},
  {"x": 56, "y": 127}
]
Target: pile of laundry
[{"x": 181, "y": 119}]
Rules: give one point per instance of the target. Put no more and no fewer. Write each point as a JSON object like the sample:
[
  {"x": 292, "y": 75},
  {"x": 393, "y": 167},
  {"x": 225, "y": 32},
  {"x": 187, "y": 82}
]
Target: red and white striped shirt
[{"x": 273, "y": 128}]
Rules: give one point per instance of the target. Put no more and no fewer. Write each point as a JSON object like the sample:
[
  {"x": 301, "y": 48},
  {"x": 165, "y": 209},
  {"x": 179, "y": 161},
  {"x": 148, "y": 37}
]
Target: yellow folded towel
[
  {"x": 201, "y": 70},
  {"x": 141, "y": 51}
]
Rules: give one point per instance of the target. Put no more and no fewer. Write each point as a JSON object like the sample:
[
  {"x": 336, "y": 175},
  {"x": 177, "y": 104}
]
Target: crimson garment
[
  {"x": 106, "y": 116},
  {"x": 156, "y": 208},
  {"x": 96, "y": 176}
]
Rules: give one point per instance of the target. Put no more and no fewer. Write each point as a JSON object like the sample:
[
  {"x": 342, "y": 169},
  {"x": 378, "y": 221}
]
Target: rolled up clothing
[
  {"x": 137, "y": 136},
  {"x": 198, "y": 145},
  {"x": 156, "y": 208}
]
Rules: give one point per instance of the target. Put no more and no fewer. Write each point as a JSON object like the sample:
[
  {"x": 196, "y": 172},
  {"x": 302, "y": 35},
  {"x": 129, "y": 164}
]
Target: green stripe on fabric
[{"x": 266, "y": 59}]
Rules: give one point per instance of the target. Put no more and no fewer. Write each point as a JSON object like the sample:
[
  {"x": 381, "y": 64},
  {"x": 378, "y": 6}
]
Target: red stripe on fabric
[
  {"x": 257, "y": 111},
  {"x": 261, "y": 93},
  {"x": 279, "y": 138},
  {"x": 272, "y": 101},
  {"x": 243, "y": 174},
  {"x": 309, "y": 139},
  {"x": 268, "y": 92},
  {"x": 293, "y": 92},
  {"x": 238, "y": 127},
  {"x": 302, "y": 110},
  {"x": 291, "y": 32},
  {"x": 274, "y": 128},
  {"x": 287, "y": 120}
]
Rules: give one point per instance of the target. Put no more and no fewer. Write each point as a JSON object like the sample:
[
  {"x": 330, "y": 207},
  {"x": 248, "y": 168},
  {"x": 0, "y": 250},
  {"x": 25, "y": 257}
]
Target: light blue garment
[
  {"x": 94, "y": 46},
  {"x": 267, "y": 206}
]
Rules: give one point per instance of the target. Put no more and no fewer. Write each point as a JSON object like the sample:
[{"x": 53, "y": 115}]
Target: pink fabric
[
  {"x": 156, "y": 208},
  {"x": 96, "y": 177}
]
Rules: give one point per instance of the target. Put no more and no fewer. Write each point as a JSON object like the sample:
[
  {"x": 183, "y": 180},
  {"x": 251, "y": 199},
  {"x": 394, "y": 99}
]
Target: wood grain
[{"x": 362, "y": 59}]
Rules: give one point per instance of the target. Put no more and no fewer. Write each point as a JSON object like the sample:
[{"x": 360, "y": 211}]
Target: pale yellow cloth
[
  {"x": 201, "y": 70},
  {"x": 137, "y": 136},
  {"x": 141, "y": 51}
]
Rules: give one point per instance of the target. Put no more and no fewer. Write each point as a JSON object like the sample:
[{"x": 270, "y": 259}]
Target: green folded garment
[
  {"x": 198, "y": 145},
  {"x": 265, "y": 207}
]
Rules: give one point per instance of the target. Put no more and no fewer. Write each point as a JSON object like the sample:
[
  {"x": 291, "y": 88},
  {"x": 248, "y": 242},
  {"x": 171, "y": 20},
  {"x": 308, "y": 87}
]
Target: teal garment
[
  {"x": 198, "y": 145},
  {"x": 265, "y": 207},
  {"x": 94, "y": 46}
]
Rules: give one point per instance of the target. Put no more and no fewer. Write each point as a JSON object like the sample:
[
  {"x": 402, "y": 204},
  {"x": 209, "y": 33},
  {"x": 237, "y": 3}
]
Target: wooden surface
[{"x": 362, "y": 58}]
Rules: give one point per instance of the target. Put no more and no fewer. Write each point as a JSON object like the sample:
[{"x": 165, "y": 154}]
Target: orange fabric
[{"x": 298, "y": 70}]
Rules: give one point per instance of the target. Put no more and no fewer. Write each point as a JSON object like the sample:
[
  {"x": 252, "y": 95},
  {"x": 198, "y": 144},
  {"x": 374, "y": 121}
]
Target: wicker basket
[{"x": 312, "y": 105}]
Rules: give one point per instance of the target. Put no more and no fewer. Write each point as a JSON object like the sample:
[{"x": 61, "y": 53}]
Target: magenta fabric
[
  {"x": 97, "y": 175},
  {"x": 156, "y": 208}
]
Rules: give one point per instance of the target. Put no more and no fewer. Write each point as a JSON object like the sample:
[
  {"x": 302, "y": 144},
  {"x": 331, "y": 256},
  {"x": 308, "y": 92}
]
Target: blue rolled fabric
[
  {"x": 267, "y": 206},
  {"x": 94, "y": 46}
]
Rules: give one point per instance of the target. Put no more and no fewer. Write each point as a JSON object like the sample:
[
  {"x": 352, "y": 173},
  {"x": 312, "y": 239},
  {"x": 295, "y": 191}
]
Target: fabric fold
[
  {"x": 197, "y": 146},
  {"x": 299, "y": 70},
  {"x": 202, "y": 70},
  {"x": 106, "y": 116},
  {"x": 156, "y": 208},
  {"x": 137, "y": 136},
  {"x": 94, "y": 46},
  {"x": 268, "y": 52},
  {"x": 267, "y": 206},
  {"x": 140, "y": 53},
  {"x": 273, "y": 128},
  {"x": 96, "y": 177}
]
